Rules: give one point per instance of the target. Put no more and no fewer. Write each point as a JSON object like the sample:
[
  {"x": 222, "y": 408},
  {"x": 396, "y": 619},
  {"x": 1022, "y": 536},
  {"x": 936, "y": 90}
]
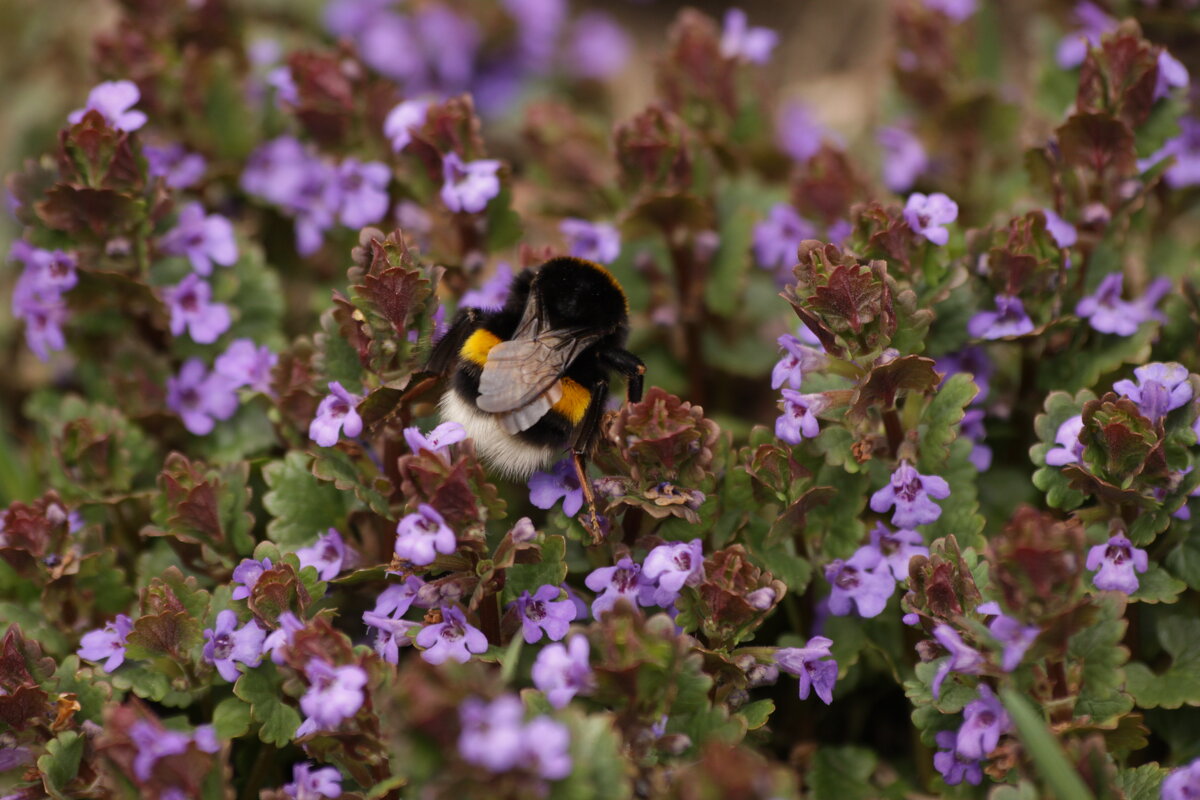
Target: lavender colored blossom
[
  {"x": 107, "y": 644},
  {"x": 597, "y": 47},
  {"x": 451, "y": 42},
  {"x": 561, "y": 482},
  {"x": 762, "y": 598},
  {"x": 362, "y": 191},
  {"x": 1161, "y": 387},
  {"x": 955, "y": 767},
  {"x": 326, "y": 555},
  {"x": 494, "y": 292},
  {"x": 984, "y": 721},
  {"x": 962, "y": 658},
  {"x": 904, "y": 157},
  {"x": 1171, "y": 75},
  {"x": 284, "y": 83},
  {"x": 277, "y": 169},
  {"x": 200, "y": 398},
  {"x": 204, "y": 239},
  {"x": 192, "y": 310},
  {"x": 336, "y": 415},
  {"x": 178, "y": 167},
  {"x": 246, "y": 574},
  {"x": 334, "y": 694},
  {"x": 928, "y": 215},
  {"x": 389, "y": 44},
  {"x": 280, "y": 639},
  {"x": 742, "y": 42},
  {"x": 957, "y": 10},
  {"x": 896, "y": 548},
  {"x": 1014, "y": 637},
  {"x": 152, "y": 743},
  {"x": 1106, "y": 312},
  {"x": 452, "y": 638},
  {"x": 1009, "y": 319},
  {"x": 621, "y": 581},
  {"x": 798, "y": 132},
  {"x": 44, "y": 312},
  {"x": 401, "y": 120},
  {"x": 315, "y": 205},
  {"x": 547, "y": 752},
  {"x": 972, "y": 428},
  {"x": 1185, "y": 148},
  {"x": 863, "y": 581},
  {"x": 799, "y": 418},
  {"x": 973, "y": 360},
  {"x": 539, "y": 24},
  {"x": 113, "y": 99},
  {"x": 390, "y": 634},
  {"x": 246, "y": 364},
  {"x": 1114, "y": 563},
  {"x": 597, "y": 241},
  {"x": 469, "y": 186},
  {"x": 1069, "y": 449},
  {"x": 668, "y": 568},
  {"x": 227, "y": 644},
  {"x": 910, "y": 491},
  {"x": 48, "y": 273},
  {"x": 312, "y": 784},
  {"x": 1182, "y": 783},
  {"x": 777, "y": 238},
  {"x": 438, "y": 441},
  {"x": 561, "y": 672},
  {"x": 813, "y": 664},
  {"x": 492, "y": 733},
  {"x": 1063, "y": 232},
  {"x": 543, "y": 611},
  {"x": 420, "y": 536},
  {"x": 1093, "y": 23},
  {"x": 352, "y": 17},
  {"x": 798, "y": 359},
  {"x": 396, "y": 599}
]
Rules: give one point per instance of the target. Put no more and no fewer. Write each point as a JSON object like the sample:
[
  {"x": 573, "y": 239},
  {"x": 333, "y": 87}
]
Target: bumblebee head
[{"x": 580, "y": 294}]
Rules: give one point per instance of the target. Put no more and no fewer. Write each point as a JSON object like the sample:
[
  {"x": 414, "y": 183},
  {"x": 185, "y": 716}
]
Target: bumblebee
[{"x": 531, "y": 380}]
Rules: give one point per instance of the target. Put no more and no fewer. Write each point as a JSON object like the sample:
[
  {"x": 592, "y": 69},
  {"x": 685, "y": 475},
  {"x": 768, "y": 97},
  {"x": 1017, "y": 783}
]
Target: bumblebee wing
[{"x": 521, "y": 376}]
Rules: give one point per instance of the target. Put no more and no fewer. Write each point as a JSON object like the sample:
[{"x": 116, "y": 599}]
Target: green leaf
[
  {"x": 1157, "y": 585},
  {"x": 960, "y": 511},
  {"x": 1081, "y": 369},
  {"x": 60, "y": 764},
  {"x": 1143, "y": 783},
  {"x": 843, "y": 773},
  {"x": 301, "y": 505},
  {"x": 941, "y": 421},
  {"x": 1180, "y": 684},
  {"x": 254, "y": 289},
  {"x": 599, "y": 769},
  {"x": 143, "y": 680},
  {"x": 1184, "y": 560},
  {"x": 336, "y": 358},
  {"x": 757, "y": 713},
  {"x": 552, "y": 569},
  {"x": 504, "y": 227},
  {"x": 231, "y": 718},
  {"x": 260, "y": 687},
  {"x": 335, "y": 465},
  {"x": 838, "y": 524},
  {"x": 740, "y": 204},
  {"x": 1041, "y": 745},
  {"x": 1098, "y": 648},
  {"x": 81, "y": 681}
]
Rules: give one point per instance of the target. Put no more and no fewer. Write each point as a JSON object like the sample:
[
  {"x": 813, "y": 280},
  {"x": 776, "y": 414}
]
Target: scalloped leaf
[
  {"x": 843, "y": 773},
  {"x": 1098, "y": 648},
  {"x": 301, "y": 504},
  {"x": 1142, "y": 783},
  {"x": 260, "y": 687},
  {"x": 1180, "y": 683},
  {"x": 960, "y": 515},
  {"x": 335, "y": 465},
  {"x": 1157, "y": 585},
  {"x": 552, "y": 569},
  {"x": 941, "y": 421},
  {"x": 60, "y": 764}
]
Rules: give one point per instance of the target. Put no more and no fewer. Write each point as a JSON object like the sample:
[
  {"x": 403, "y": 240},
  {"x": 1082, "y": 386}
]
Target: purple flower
[
  {"x": 927, "y": 214},
  {"x": 863, "y": 581},
  {"x": 910, "y": 491},
  {"x": 398, "y": 598},
  {"x": 984, "y": 720},
  {"x": 668, "y": 568},
  {"x": 390, "y": 634},
  {"x": 562, "y": 671},
  {"x": 1182, "y": 783},
  {"x": 362, "y": 190},
  {"x": 762, "y": 598},
  {"x": 1186, "y": 149},
  {"x": 200, "y": 398},
  {"x": 623, "y": 580},
  {"x": 107, "y": 644},
  {"x": 469, "y": 186},
  {"x": 47, "y": 272},
  {"x": 278, "y": 169},
  {"x": 543, "y": 611},
  {"x": 335, "y": 415},
  {"x": 44, "y": 314},
  {"x": 798, "y": 133},
  {"x": 334, "y": 694},
  {"x": 952, "y": 764},
  {"x": 547, "y": 748},
  {"x": 284, "y": 83},
  {"x": 896, "y": 548},
  {"x": 281, "y": 638},
  {"x": 1063, "y": 232},
  {"x": 957, "y": 10},
  {"x": 492, "y": 295},
  {"x": 191, "y": 309},
  {"x": 904, "y": 157},
  {"x": 972, "y": 428},
  {"x": 813, "y": 664},
  {"x": 438, "y": 441},
  {"x": 452, "y": 638},
  {"x": 204, "y": 239},
  {"x": 225, "y": 645},
  {"x": 1069, "y": 449},
  {"x": 1106, "y": 312},
  {"x": 561, "y": 482},
  {"x": 1014, "y": 637},
  {"x": 739, "y": 41},
  {"x": 799, "y": 418},
  {"x": 597, "y": 47},
  {"x": 539, "y": 24},
  {"x": 962, "y": 658},
  {"x": 1009, "y": 319},
  {"x": 400, "y": 121},
  {"x": 798, "y": 358},
  {"x": 1093, "y": 23},
  {"x": 972, "y": 360},
  {"x": 778, "y": 237},
  {"x": 326, "y": 555},
  {"x": 313, "y": 784},
  {"x": 598, "y": 241},
  {"x": 422, "y": 535},
  {"x": 1114, "y": 563},
  {"x": 492, "y": 733},
  {"x": 1160, "y": 387},
  {"x": 113, "y": 99},
  {"x": 1171, "y": 75},
  {"x": 154, "y": 742},
  {"x": 178, "y": 168},
  {"x": 247, "y": 574},
  {"x": 245, "y": 364}
]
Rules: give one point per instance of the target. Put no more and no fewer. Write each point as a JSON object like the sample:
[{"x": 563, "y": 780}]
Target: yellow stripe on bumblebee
[{"x": 477, "y": 346}]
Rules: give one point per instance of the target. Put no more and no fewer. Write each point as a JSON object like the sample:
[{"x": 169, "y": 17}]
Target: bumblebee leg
[
  {"x": 593, "y": 522},
  {"x": 582, "y": 442},
  {"x": 631, "y": 367},
  {"x": 446, "y": 350}
]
